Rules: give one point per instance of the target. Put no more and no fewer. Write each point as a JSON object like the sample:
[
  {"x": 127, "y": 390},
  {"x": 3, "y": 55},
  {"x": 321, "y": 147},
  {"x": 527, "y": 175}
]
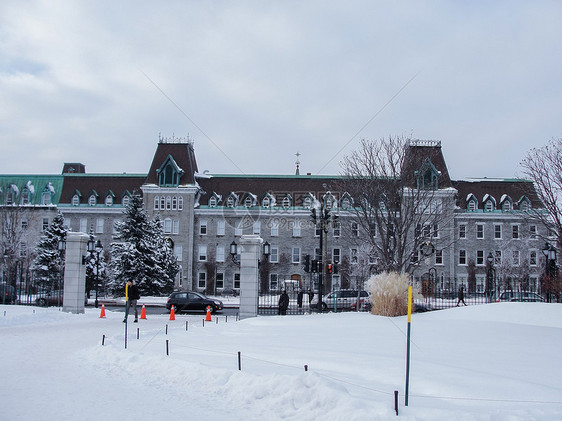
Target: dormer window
[
  {"x": 248, "y": 202},
  {"x": 75, "y": 199},
  {"x": 47, "y": 194},
  {"x": 230, "y": 202},
  {"x": 506, "y": 207},
  {"x": 92, "y": 200},
  {"x": 126, "y": 199},
  {"x": 346, "y": 201},
  {"x": 471, "y": 205},
  {"x": 329, "y": 201},
  {"x": 265, "y": 202},
  {"x": 25, "y": 196},
  {"x": 109, "y": 200},
  {"x": 524, "y": 206},
  {"x": 169, "y": 173},
  {"x": 427, "y": 176},
  {"x": 213, "y": 202},
  {"x": 286, "y": 202},
  {"x": 307, "y": 201}
]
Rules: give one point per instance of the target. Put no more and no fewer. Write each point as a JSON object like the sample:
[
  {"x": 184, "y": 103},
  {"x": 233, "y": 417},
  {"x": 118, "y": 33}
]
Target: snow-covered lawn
[{"x": 497, "y": 361}]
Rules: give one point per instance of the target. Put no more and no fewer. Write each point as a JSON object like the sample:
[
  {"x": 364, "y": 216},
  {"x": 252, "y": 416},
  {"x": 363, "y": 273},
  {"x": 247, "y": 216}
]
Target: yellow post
[
  {"x": 408, "y": 345},
  {"x": 409, "y": 304}
]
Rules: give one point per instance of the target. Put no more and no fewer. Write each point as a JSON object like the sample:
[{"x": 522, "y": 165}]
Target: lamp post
[
  {"x": 549, "y": 252},
  {"x": 266, "y": 250},
  {"x": 490, "y": 276},
  {"x": 96, "y": 247}
]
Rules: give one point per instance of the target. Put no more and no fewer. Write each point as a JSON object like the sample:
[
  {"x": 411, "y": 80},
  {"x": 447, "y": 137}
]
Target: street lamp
[
  {"x": 96, "y": 247},
  {"x": 266, "y": 250},
  {"x": 549, "y": 252}
]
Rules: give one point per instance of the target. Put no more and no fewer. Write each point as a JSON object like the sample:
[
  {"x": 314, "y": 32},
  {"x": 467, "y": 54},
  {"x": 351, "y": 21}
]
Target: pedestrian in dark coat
[
  {"x": 299, "y": 298},
  {"x": 310, "y": 296},
  {"x": 283, "y": 303},
  {"x": 132, "y": 295},
  {"x": 461, "y": 296}
]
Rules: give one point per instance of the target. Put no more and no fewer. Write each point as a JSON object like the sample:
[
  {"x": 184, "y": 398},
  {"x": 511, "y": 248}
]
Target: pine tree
[
  {"x": 49, "y": 263},
  {"x": 140, "y": 255}
]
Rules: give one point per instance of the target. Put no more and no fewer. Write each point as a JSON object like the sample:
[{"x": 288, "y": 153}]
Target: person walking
[
  {"x": 461, "y": 296},
  {"x": 299, "y": 298},
  {"x": 131, "y": 297},
  {"x": 310, "y": 296},
  {"x": 283, "y": 303}
]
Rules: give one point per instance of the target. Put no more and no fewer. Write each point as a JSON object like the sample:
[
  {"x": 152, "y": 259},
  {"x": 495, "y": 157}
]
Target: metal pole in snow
[{"x": 408, "y": 344}]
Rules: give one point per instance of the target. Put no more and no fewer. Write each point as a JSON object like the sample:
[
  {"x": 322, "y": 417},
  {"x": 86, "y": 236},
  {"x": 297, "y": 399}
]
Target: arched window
[
  {"x": 75, "y": 200},
  {"x": 108, "y": 200},
  {"x": 174, "y": 203},
  {"x": 168, "y": 203},
  {"x": 265, "y": 202},
  {"x": 180, "y": 203},
  {"x": 156, "y": 203},
  {"x": 92, "y": 200},
  {"x": 213, "y": 202}
]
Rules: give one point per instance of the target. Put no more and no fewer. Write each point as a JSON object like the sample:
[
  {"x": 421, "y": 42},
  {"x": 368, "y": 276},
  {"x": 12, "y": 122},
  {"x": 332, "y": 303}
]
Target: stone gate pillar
[
  {"x": 250, "y": 253},
  {"x": 75, "y": 273}
]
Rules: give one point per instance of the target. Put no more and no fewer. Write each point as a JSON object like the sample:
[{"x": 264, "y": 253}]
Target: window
[
  {"x": 317, "y": 229},
  {"x": 438, "y": 257},
  {"x": 307, "y": 202},
  {"x": 286, "y": 202},
  {"x": 163, "y": 203},
  {"x": 203, "y": 227},
  {"x": 126, "y": 199},
  {"x": 497, "y": 232},
  {"x": 506, "y": 207},
  {"x": 296, "y": 229},
  {"x": 174, "y": 203},
  {"x": 99, "y": 226},
  {"x": 462, "y": 231},
  {"x": 176, "y": 226},
  {"x": 479, "y": 231},
  {"x": 274, "y": 232},
  {"x": 248, "y": 202},
  {"x": 180, "y": 203},
  {"x": 25, "y": 195},
  {"x": 156, "y": 203},
  {"x": 178, "y": 252},
  {"x": 462, "y": 257},
  {"x": 168, "y": 203},
  {"x": 471, "y": 205},
  {"x": 220, "y": 227},
  {"x": 23, "y": 250},
  {"x": 355, "y": 229},
  {"x": 236, "y": 283},
  {"x": 45, "y": 223},
  {"x": 480, "y": 258},
  {"x": 230, "y": 202},
  {"x": 515, "y": 256},
  {"x": 489, "y": 206},
  {"x": 75, "y": 200},
  {"x": 167, "y": 226},
  {"x": 353, "y": 255},
  {"x": 219, "y": 280},
  {"x": 220, "y": 253},
  {"x": 202, "y": 280},
  {"x": 533, "y": 232},
  {"x": 273, "y": 281},
  {"x": 524, "y": 206},
  {"x": 83, "y": 225},
  {"x": 336, "y": 255},
  {"x": 296, "y": 255},
  {"x": 274, "y": 254},
  {"x": 435, "y": 233},
  {"x": 346, "y": 203},
  {"x": 239, "y": 229},
  {"x": 92, "y": 200},
  {"x": 109, "y": 200},
  {"x": 337, "y": 229},
  {"x": 203, "y": 253},
  {"x": 266, "y": 202},
  {"x": 515, "y": 231},
  {"x": 213, "y": 202},
  {"x": 533, "y": 258},
  {"x": 256, "y": 227}
]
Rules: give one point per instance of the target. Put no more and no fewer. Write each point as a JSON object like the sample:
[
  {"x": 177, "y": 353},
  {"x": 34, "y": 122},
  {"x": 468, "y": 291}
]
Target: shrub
[{"x": 389, "y": 293}]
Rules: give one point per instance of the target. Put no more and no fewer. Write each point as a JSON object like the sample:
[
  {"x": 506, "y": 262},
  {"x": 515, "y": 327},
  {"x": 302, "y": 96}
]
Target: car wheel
[{"x": 324, "y": 306}]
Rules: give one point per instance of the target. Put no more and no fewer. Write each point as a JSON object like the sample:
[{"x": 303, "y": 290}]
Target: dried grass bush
[{"x": 389, "y": 293}]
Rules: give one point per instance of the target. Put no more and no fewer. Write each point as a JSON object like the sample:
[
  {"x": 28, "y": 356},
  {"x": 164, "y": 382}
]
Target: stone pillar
[
  {"x": 75, "y": 273},
  {"x": 250, "y": 252}
]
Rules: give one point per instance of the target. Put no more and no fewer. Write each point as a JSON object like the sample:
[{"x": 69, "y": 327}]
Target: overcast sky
[{"x": 254, "y": 82}]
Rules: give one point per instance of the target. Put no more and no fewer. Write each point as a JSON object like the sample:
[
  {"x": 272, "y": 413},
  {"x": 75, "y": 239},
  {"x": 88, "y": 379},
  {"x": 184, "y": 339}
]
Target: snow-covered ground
[{"x": 497, "y": 361}]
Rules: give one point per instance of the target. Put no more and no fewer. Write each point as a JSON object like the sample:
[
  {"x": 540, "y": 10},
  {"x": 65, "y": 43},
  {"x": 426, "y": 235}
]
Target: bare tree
[
  {"x": 543, "y": 166},
  {"x": 397, "y": 202}
]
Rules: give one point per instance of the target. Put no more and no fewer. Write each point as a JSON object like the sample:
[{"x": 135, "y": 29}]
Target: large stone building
[{"x": 203, "y": 214}]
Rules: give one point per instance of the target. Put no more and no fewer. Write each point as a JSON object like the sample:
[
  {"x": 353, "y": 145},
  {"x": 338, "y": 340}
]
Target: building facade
[{"x": 204, "y": 214}]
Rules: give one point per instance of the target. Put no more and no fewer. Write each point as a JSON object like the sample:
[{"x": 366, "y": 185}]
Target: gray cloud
[{"x": 264, "y": 80}]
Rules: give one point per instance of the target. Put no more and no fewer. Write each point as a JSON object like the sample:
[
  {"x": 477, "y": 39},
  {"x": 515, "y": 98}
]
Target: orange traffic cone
[
  {"x": 102, "y": 312},
  {"x": 172, "y": 313},
  {"x": 208, "y": 318},
  {"x": 143, "y": 312}
]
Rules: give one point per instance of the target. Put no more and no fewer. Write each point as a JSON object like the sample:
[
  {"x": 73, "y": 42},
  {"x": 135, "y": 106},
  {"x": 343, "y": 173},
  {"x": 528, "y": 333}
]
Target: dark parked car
[
  {"x": 228, "y": 292},
  {"x": 192, "y": 301},
  {"x": 342, "y": 299},
  {"x": 8, "y": 294}
]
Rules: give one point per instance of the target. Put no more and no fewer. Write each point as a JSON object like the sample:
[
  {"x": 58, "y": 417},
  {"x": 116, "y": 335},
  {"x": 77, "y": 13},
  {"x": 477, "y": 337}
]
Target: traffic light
[
  {"x": 330, "y": 268},
  {"x": 307, "y": 263},
  {"x": 315, "y": 266}
]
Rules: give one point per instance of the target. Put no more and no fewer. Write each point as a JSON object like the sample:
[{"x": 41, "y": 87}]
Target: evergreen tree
[
  {"x": 49, "y": 263},
  {"x": 140, "y": 255}
]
